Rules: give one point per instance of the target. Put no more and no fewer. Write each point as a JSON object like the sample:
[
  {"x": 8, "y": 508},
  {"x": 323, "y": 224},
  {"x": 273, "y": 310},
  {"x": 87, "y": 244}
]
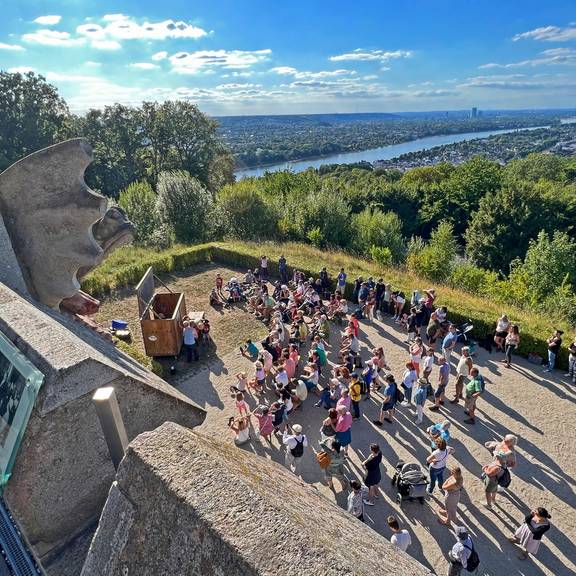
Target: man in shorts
[
  {"x": 472, "y": 390},
  {"x": 443, "y": 376},
  {"x": 389, "y": 402}
]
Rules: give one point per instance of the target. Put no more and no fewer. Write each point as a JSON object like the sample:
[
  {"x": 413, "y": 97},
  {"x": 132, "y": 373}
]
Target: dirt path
[{"x": 537, "y": 407}]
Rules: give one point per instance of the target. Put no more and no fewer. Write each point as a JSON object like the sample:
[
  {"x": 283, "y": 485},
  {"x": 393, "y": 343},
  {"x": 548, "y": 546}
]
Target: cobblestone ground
[{"x": 539, "y": 408}]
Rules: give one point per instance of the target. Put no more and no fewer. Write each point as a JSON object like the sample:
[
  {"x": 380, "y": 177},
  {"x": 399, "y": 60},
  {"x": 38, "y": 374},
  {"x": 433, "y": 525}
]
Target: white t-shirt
[
  {"x": 441, "y": 457},
  {"x": 301, "y": 391},
  {"x": 282, "y": 378},
  {"x": 401, "y": 539},
  {"x": 427, "y": 362},
  {"x": 502, "y": 325},
  {"x": 408, "y": 378},
  {"x": 355, "y": 345}
]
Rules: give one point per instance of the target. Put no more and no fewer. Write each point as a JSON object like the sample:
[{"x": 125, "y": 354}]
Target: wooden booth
[{"x": 161, "y": 315}]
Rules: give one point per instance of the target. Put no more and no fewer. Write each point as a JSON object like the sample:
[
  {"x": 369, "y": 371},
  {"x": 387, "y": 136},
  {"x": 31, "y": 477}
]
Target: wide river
[{"x": 373, "y": 154}]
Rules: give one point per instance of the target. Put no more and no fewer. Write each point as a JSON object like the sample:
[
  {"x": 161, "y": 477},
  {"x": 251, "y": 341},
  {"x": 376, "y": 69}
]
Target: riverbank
[{"x": 380, "y": 153}]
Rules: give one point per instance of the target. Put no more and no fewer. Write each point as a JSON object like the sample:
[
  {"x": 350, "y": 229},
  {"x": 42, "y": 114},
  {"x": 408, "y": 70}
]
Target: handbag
[{"x": 323, "y": 459}]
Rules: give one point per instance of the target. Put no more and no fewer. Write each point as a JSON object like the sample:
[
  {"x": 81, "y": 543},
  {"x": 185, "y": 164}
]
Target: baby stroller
[{"x": 411, "y": 481}]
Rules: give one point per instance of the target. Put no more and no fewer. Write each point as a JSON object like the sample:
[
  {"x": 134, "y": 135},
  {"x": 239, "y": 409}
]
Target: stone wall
[
  {"x": 63, "y": 471},
  {"x": 187, "y": 504}
]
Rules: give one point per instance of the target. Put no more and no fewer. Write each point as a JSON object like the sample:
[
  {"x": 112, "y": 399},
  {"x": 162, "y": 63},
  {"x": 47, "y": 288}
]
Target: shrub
[
  {"x": 138, "y": 200},
  {"x": 184, "y": 205},
  {"x": 466, "y": 276},
  {"x": 381, "y": 255},
  {"x": 372, "y": 227}
]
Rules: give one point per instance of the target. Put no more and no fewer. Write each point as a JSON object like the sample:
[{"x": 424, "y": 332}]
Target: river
[{"x": 373, "y": 154}]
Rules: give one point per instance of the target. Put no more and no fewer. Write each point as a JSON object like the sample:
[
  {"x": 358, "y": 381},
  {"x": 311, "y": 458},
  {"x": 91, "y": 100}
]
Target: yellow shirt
[{"x": 355, "y": 391}]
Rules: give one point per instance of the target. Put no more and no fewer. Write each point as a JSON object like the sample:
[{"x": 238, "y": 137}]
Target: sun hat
[{"x": 297, "y": 428}]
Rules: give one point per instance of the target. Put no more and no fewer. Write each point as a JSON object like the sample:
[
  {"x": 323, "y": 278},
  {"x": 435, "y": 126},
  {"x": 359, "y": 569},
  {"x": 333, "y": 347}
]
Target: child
[
  {"x": 265, "y": 422},
  {"x": 241, "y": 428},
  {"x": 419, "y": 398},
  {"x": 416, "y": 349},
  {"x": 241, "y": 404},
  {"x": 427, "y": 364},
  {"x": 241, "y": 383},
  {"x": 278, "y": 410},
  {"x": 257, "y": 383},
  {"x": 219, "y": 284}
]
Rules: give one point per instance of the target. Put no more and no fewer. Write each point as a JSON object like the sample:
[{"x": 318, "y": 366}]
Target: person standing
[
  {"x": 283, "y": 269},
  {"x": 511, "y": 343},
  {"x": 443, "y": 375},
  {"x": 389, "y": 403},
  {"x": 295, "y": 444},
  {"x": 452, "y": 487},
  {"x": 356, "y": 500},
  {"x": 554, "y": 344},
  {"x": 341, "y": 282},
  {"x": 400, "y": 538},
  {"x": 419, "y": 398},
  {"x": 409, "y": 378},
  {"x": 472, "y": 391},
  {"x": 491, "y": 473},
  {"x": 437, "y": 464},
  {"x": 460, "y": 553},
  {"x": 190, "y": 338},
  {"x": 335, "y": 468},
  {"x": 462, "y": 372},
  {"x": 529, "y": 534},
  {"x": 428, "y": 364},
  {"x": 264, "y": 267},
  {"x": 355, "y": 390},
  {"x": 449, "y": 343},
  {"x": 572, "y": 362},
  {"x": 373, "y": 475},
  {"x": 344, "y": 427},
  {"x": 502, "y": 326}
]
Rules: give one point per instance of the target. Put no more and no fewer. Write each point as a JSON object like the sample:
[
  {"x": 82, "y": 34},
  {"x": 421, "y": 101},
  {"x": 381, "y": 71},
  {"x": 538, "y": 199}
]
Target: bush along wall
[{"x": 121, "y": 271}]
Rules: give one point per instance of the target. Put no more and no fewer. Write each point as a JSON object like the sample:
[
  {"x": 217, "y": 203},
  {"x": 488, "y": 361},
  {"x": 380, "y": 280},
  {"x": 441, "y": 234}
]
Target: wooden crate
[{"x": 161, "y": 324}]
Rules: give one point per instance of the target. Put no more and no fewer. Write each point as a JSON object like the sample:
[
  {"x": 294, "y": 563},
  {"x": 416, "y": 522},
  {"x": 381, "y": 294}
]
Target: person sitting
[
  {"x": 241, "y": 428},
  {"x": 249, "y": 277},
  {"x": 216, "y": 300},
  {"x": 249, "y": 349}
]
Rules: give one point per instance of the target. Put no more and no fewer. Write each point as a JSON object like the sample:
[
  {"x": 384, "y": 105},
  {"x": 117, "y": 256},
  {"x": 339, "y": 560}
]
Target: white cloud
[
  {"x": 11, "y": 47},
  {"x": 370, "y": 77},
  {"x": 370, "y": 55},
  {"x": 20, "y": 69},
  {"x": 160, "y": 55},
  {"x": 553, "y": 56},
  {"x": 517, "y": 82},
  {"x": 49, "y": 20},
  {"x": 434, "y": 93},
  {"x": 144, "y": 66},
  {"x": 114, "y": 17},
  {"x": 123, "y": 28},
  {"x": 52, "y": 38},
  {"x": 92, "y": 64},
  {"x": 289, "y": 71},
  {"x": 193, "y": 62},
  {"x": 548, "y": 34},
  {"x": 238, "y": 86},
  {"x": 106, "y": 44}
]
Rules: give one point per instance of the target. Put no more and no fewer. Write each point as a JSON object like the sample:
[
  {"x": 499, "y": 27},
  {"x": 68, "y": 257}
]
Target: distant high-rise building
[{"x": 474, "y": 113}]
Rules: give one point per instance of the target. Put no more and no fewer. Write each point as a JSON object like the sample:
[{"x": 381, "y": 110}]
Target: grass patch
[{"x": 126, "y": 266}]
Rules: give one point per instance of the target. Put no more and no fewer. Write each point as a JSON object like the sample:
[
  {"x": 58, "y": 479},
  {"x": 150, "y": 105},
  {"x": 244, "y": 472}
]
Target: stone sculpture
[{"x": 58, "y": 228}]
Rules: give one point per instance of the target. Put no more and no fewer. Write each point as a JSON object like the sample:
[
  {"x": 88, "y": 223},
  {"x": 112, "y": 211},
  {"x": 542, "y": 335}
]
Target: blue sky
[{"x": 263, "y": 57}]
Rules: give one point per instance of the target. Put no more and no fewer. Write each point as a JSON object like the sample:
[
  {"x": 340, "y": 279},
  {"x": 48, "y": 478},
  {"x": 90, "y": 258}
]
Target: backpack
[
  {"x": 399, "y": 395},
  {"x": 473, "y": 559},
  {"x": 323, "y": 459},
  {"x": 505, "y": 478},
  {"x": 298, "y": 450}
]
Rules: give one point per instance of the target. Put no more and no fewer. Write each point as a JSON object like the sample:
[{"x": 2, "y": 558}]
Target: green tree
[
  {"x": 32, "y": 116},
  {"x": 375, "y": 228},
  {"x": 244, "y": 213},
  {"x": 138, "y": 200},
  {"x": 536, "y": 167},
  {"x": 185, "y": 205},
  {"x": 436, "y": 259},
  {"x": 116, "y": 136},
  {"x": 505, "y": 223},
  {"x": 550, "y": 261}
]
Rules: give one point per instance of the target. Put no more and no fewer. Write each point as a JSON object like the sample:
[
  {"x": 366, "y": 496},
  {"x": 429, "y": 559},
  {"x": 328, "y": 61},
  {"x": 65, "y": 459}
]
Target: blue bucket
[{"x": 119, "y": 324}]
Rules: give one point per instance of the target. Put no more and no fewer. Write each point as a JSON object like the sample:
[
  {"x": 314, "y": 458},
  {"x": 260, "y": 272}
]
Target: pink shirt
[
  {"x": 290, "y": 367},
  {"x": 344, "y": 422},
  {"x": 344, "y": 401},
  {"x": 265, "y": 424}
]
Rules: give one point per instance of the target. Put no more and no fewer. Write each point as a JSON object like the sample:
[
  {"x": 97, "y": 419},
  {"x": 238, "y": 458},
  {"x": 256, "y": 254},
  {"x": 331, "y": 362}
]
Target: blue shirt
[
  {"x": 341, "y": 279},
  {"x": 444, "y": 434},
  {"x": 252, "y": 349},
  {"x": 390, "y": 390},
  {"x": 189, "y": 336},
  {"x": 449, "y": 339}
]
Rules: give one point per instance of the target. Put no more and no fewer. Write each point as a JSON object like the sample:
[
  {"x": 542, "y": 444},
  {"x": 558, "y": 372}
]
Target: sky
[{"x": 291, "y": 57}]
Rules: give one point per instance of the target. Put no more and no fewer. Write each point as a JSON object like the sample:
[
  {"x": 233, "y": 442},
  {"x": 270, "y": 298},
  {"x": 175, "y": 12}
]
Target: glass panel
[{"x": 20, "y": 383}]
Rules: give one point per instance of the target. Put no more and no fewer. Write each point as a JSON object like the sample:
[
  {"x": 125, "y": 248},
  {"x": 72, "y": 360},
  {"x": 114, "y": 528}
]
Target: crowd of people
[{"x": 291, "y": 367}]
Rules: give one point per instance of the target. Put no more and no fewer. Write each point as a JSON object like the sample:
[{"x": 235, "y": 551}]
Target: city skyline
[{"x": 235, "y": 58}]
